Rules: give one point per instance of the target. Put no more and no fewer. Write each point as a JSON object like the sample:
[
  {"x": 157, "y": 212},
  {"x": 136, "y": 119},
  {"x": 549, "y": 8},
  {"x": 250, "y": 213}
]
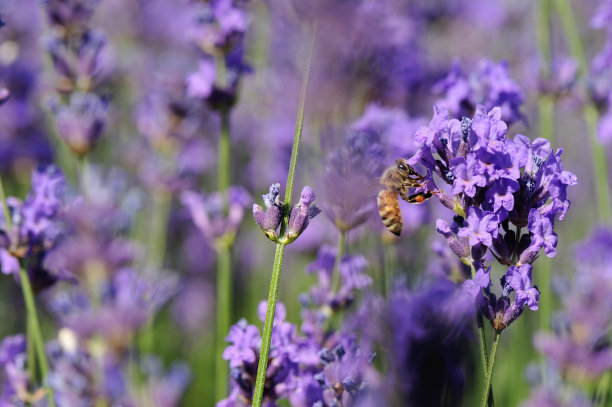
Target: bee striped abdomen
[{"x": 389, "y": 211}]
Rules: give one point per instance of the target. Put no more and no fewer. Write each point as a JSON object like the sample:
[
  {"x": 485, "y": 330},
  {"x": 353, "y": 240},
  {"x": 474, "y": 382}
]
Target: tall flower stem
[
  {"x": 280, "y": 246},
  {"x": 31, "y": 350},
  {"x": 590, "y": 113},
  {"x": 224, "y": 152},
  {"x": 482, "y": 344},
  {"x": 339, "y": 254},
  {"x": 546, "y": 107},
  {"x": 33, "y": 326},
  {"x": 156, "y": 253},
  {"x": 487, "y": 387},
  {"x": 224, "y": 312},
  {"x": 268, "y": 325},
  {"x": 224, "y": 279},
  {"x": 39, "y": 344}
]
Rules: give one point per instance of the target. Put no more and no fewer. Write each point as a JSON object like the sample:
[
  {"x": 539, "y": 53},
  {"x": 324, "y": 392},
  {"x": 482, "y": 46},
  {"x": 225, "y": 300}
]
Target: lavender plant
[{"x": 498, "y": 187}]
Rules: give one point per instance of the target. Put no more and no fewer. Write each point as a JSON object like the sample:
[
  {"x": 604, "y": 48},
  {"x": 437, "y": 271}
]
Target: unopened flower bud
[
  {"x": 270, "y": 220},
  {"x": 301, "y": 214}
]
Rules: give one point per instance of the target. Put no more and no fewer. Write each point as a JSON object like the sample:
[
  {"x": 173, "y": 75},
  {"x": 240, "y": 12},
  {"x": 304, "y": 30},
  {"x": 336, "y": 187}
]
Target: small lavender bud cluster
[
  {"x": 299, "y": 215},
  {"x": 78, "y": 56},
  {"x": 489, "y": 85}
]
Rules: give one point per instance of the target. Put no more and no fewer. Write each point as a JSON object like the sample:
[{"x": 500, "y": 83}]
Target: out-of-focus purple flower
[
  {"x": 36, "y": 227},
  {"x": 80, "y": 123},
  {"x": 71, "y": 13},
  {"x": 350, "y": 178},
  {"x": 200, "y": 83},
  {"x": 166, "y": 389},
  {"x": 4, "y": 95},
  {"x": 117, "y": 309},
  {"x": 327, "y": 295},
  {"x": 428, "y": 333},
  {"x": 208, "y": 213},
  {"x": 218, "y": 29},
  {"x": 13, "y": 375},
  {"x": 489, "y": 85},
  {"x": 600, "y": 82},
  {"x": 578, "y": 343},
  {"x": 243, "y": 355},
  {"x": 90, "y": 246}
]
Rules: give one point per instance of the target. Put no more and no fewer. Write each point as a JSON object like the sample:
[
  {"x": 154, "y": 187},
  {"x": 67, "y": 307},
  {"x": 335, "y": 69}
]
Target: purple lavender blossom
[
  {"x": 489, "y": 85},
  {"x": 36, "y": 228},
  {"x": 208, "y": 213},
  {"x": 577, "y": 343},
  {"x": 495, "y": 183},
  {"x": 80, "y": 123},
  {"x": 429, "y": 332},
  {"x": 481, "y": 227},
  {"x": 13, "y": 375}
]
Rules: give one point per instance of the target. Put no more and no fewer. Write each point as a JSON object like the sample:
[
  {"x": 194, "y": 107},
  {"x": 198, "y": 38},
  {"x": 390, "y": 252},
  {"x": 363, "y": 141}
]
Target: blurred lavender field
[{"x": 136, "y": 137}]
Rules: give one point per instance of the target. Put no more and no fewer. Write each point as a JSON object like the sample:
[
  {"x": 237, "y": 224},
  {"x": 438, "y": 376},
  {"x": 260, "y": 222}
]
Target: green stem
[
  {"x": 487, "y": 385},
  {"x": 546, "y": 107},
  {"x": 31, "y": 351},
  {"x": 39, "y": 344},
  {"x": 280, "y": 246},
  {"x": 601, "y": 392},
  {"x": 482, "y": 343},
  {"x": 156, "y": 252},
  {"x": 339, "y": 254},
  {"x": 590, "y": 113},
  {"x": 267, "y": 333},
  {"x": 224, "y": 312},
  {"x": 158, "y": 229},
  {"x": 5, "y": 209},
  {"x": 297, "y": 136},
  {"x": 224, "y": 153}
]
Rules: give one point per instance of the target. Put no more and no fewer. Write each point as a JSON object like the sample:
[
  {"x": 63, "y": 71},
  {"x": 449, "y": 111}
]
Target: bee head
[{"x": 402, "y": 167}]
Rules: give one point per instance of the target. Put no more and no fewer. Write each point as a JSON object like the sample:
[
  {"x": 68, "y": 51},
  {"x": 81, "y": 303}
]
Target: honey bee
[{"x": 398, "y": 180}]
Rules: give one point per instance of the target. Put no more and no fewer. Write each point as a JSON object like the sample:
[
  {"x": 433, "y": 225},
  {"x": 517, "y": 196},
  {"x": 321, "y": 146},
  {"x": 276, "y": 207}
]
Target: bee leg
[{"x": 418, "y": 198}]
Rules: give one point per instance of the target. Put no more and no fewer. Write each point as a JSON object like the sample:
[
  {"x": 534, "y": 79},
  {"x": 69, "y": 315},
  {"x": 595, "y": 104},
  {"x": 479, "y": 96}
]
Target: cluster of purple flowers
[
  {"x": 81, "y": 65},
  {"x": 489, "y": 85},
  {"x": 601, "y": 84},
  {"x": 24, "y": 137},
  {"x": 426, "y": 332},
  {"x": 35, "y": 228},
  {"x": 577, "y": 350},
  {"x": 498, "y": 187},
  {"x": 320, "y": 367},
  {"x": 209, "y": 216},
  {"x": 218, "y": 31}
]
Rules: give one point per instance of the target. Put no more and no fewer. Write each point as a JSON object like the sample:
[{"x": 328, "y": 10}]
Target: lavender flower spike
[
  {"x": 270, "y": 220},
  {"x": 301, "y": 214}
]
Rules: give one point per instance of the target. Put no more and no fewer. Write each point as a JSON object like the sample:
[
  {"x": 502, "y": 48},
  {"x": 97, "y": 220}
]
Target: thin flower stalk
[
  {"x": 34, "y": 332},
  {"x": 590, "y": 113},
  {"x": 280, "y": 245},
  {"x": 489, "y": 374}
]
